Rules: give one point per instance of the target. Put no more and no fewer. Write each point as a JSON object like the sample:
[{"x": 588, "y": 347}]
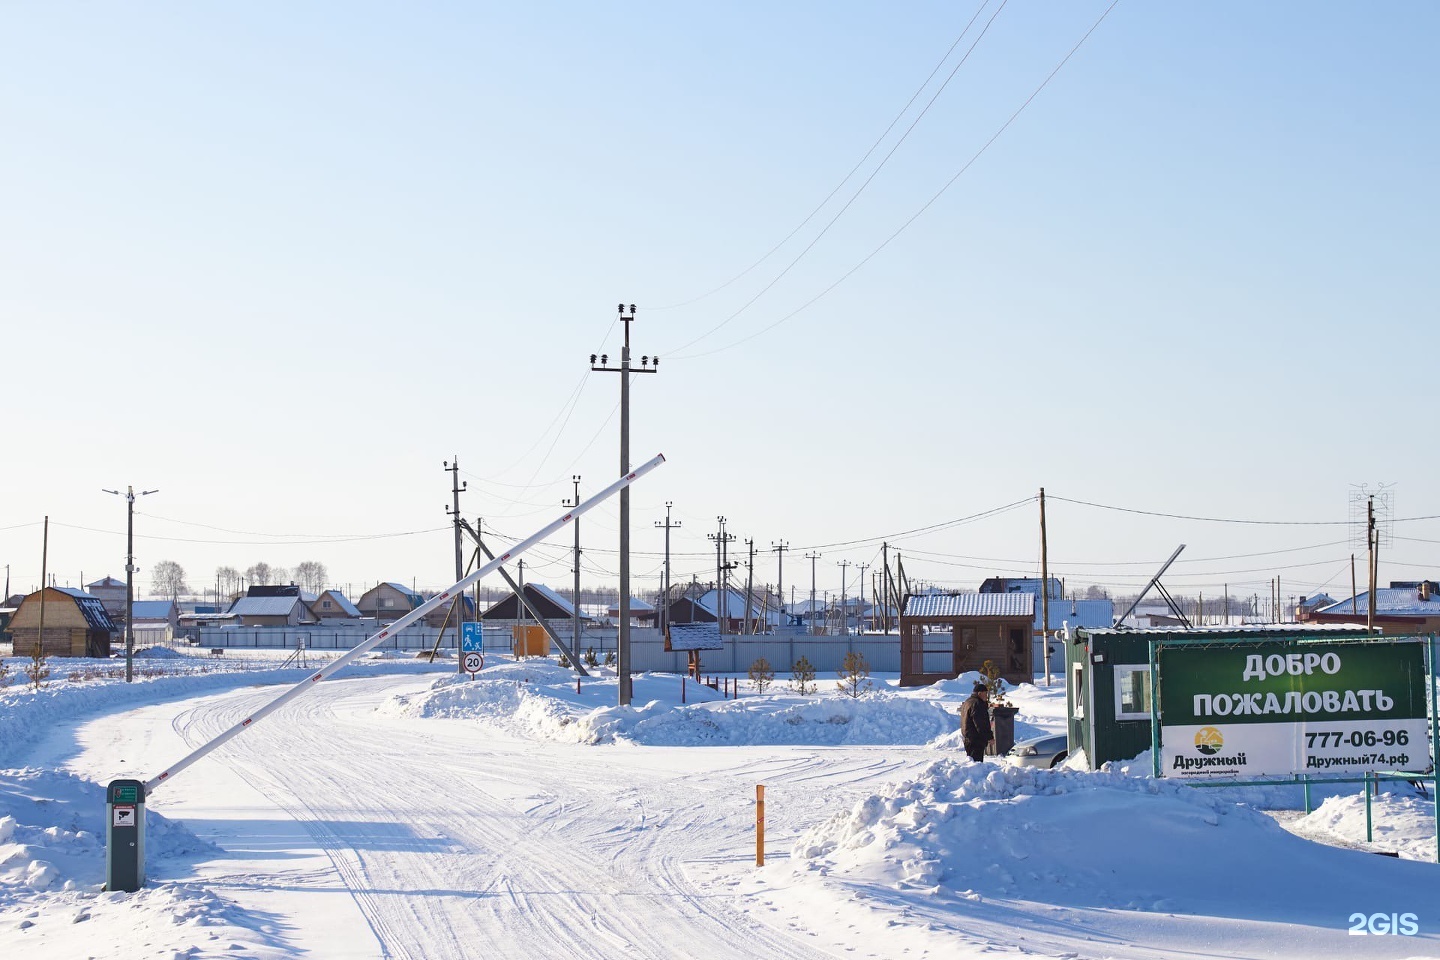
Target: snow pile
[
  {"x": 1096, "y": 840},
  {"x": 537, "y": 699},
  {"x": 1402, "y": 822},
  {"x": 874, "y": 718}
]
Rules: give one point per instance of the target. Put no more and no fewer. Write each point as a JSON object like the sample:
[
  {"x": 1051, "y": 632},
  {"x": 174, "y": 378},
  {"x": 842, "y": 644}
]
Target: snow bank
[
  {"x": 1098, "y": 840},
  {"x": 1402, "y": 822},
  {"x": 875, "y": 718},
  {"x": 537, "y": 699}
]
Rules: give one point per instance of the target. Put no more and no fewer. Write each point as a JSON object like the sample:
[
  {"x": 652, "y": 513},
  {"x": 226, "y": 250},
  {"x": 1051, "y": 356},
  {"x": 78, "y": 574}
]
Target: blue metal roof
[{"x": 1389, "y": 602}]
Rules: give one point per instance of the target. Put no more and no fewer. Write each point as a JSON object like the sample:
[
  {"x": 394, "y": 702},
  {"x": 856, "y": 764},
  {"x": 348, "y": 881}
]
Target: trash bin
[
  {"x": 125, "y": 835},
  {"x": 1002, "y": 725}
]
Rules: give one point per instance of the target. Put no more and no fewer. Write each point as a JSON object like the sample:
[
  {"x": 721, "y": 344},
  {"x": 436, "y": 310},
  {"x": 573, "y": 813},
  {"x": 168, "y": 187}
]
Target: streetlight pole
[
  {"x": 130, "y": 496},
  {"x": 575, "y": 478},
  {"x": 622, "y": 642}
]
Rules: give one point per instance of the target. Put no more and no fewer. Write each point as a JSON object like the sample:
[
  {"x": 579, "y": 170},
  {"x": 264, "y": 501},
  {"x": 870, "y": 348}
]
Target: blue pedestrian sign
[{"x": 472, "y": 638}]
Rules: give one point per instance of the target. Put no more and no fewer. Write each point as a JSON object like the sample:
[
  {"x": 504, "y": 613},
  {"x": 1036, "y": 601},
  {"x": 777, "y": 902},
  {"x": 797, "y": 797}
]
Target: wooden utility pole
[
  {"x": 1044, "y": 591},
  {"x": 44, "y": 576},
  {"x": 1354, "y": 593},
  {"x": 810, "y": 620}
]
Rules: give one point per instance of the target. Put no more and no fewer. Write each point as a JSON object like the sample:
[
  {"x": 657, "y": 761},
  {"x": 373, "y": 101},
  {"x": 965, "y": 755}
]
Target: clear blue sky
[{"x": 280, "y": 261}]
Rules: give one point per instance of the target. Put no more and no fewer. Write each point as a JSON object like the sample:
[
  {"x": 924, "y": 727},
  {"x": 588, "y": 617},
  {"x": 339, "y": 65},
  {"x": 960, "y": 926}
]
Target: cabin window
[{"x": 1132, "y": 692}]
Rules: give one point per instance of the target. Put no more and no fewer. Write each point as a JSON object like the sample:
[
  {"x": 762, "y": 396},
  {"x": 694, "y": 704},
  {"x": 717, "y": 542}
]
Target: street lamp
[{"x": 130, "y": 496}]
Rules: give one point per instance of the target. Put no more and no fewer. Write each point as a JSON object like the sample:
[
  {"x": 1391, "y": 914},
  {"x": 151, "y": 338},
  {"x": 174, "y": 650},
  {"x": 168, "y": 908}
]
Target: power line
[
  {"x": 861, "y": 189},
  {"x": 918, "y": 213}
]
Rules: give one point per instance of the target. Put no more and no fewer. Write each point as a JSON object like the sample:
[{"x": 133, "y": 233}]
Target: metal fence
[{"x": 781, "y": 650}]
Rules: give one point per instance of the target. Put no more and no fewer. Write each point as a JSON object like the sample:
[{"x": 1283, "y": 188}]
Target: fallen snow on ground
[
  {"x": 538, "y": 699},
  {"x": 1402, "y": 821}
]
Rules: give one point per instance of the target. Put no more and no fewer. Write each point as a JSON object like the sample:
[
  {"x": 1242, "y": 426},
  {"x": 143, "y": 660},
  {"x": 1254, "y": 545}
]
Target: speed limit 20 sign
[{"x": 472, "y": 662}]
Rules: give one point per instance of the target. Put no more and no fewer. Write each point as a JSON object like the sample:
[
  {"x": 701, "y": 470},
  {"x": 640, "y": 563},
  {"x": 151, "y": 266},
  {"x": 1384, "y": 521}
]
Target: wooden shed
[
  {"x": 76, "y": 625},
  {"x": 943, "y": 636}
]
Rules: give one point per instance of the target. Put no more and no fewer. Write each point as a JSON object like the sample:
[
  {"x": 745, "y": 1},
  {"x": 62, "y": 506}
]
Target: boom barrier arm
[{"x": 419, "y": 612}]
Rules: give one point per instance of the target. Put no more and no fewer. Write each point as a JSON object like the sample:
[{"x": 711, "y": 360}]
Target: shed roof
[
  {"x": 972, "y": 605},
  {"x": 342, "y": 600}
]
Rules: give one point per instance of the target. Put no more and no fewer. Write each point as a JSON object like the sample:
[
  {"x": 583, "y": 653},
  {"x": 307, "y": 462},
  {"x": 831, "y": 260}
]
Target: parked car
[{"x": 1047, "y": 751}]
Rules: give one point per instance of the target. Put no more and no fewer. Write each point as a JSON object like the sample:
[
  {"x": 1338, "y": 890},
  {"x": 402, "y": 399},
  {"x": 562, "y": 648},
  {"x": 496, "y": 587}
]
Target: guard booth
[{"x": 1107, "y": 689}]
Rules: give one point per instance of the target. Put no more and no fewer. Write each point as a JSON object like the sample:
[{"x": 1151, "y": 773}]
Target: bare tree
[
  {"x": 227, "y": 580},
  {"x": 167, "y": 579},
  {"x": 311, "y": 576},
  {"x": 260, "y": 573}
]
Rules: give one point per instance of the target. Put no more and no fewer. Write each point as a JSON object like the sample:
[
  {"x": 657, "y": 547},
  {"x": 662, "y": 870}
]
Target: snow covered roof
[
  {"x": 553, "y": 597},
  {"x": 973, "y": 605},
  {"x": 735, "y": 606},
  {"x": 152, "y": 609},
  {"x": 340, "y": 600},
  {"x": 1389, "y": 602},
  {"x": 695, "y": 636},
  {"x": 636, "y": 606},
  {"x": 107, "y": 582},
  {"x": 90, "y": 608},
  {"x": 265, "y": 606}
]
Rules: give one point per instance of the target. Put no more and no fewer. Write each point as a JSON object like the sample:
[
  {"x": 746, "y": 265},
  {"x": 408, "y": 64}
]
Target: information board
[{"x": 1287, "y": 707}]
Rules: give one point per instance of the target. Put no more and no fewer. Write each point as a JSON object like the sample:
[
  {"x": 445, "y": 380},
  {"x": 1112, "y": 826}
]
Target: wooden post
[
  {"x": 759, "y": 825},
  {"x": 682, "y": 689}
]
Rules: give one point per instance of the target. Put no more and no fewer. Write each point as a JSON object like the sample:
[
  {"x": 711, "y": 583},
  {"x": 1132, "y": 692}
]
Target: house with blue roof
[{"x": 1406, "y": 606}]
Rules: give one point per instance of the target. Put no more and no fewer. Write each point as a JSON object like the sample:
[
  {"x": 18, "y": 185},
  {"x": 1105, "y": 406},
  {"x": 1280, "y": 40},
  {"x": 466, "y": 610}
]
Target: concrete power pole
[
  {"x": 860, "y": 602},
  {"x": 812, "y": 557},
  {"x": 622, "y": 642},
  {"x": 130, "y": 496},
  {"x": 1044, "y": 591},
  {"x": 750, "y": 587},
  {"x": 844, "y": 566},
  {"x": 457, "y": 487},
  {"x": 667, "y": 526},
  {"x": 575, "y": 629},
  {"x": 1371, "y": 539},
  {"x": 778, "y": 547},
  {"x": 723, "y": 566}
]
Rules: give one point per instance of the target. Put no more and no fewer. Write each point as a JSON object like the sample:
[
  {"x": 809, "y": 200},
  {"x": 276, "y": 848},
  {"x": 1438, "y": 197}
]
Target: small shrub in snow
[
  {"x": 803, "y": 676},
  {"x": 564, "y": 661},
  {"x": 590, "y": 659},
  {"x": 609, "y": 658},
  {"x": 38, "y": 669},
  {"x": 4, "y": 674},
  {"x": 854, "y": 675},
  {"x": 993, "y": 680},
  {"x": 761, "y": 675}
]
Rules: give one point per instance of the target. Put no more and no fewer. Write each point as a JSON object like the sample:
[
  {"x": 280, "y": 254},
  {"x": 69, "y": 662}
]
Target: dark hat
[{"x": 980, "y": 688}]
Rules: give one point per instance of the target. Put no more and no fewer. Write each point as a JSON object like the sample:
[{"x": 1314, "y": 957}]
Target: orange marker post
[{"x": 759, "y": 825}]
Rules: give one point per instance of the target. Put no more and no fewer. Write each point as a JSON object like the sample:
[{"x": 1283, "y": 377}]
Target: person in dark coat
[{"x": 975, "y": 723}]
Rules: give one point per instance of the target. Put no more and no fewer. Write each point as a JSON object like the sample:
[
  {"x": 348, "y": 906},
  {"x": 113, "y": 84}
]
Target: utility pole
[
  {"x": 722, "y": 572},
  {"x": 129, "y": 496},
  {"x": 622, "y": 643},
  {"x": 810, "y": 621},
  {"x": 668, "y": 526},
  {"x": 1044, "y": 591},
  {"x": 457, "y": 487},
  {"x": 885, "y": 584},
  {"x": 1370, "y": 538},
  {"x": 860, "y": 604},
  {"x": 778, "y": 547},
  {"x": 750, "y": 587},
  {"x": 575, "y": 478},
  {"x": 844, "y": 566},
  {"x": 1354, "y": 592}
]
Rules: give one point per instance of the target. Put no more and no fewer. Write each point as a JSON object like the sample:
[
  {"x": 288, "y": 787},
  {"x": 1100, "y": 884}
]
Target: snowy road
[{"x": 506, "y": 845}]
